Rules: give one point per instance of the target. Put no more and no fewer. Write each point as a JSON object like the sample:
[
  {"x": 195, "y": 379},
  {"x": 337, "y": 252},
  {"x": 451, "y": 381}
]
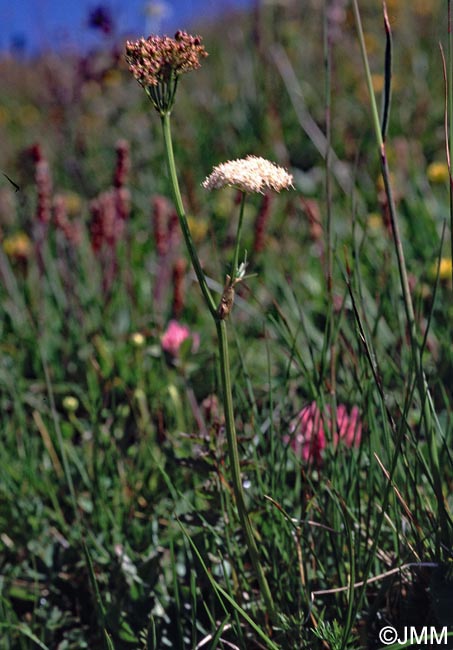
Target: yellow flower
[
  {"x": 137, "y": 339},
  {"x": 444, "y": 269},
  {"x": 17, "y": 246},
  {"x": 437, "y": 172},
  {"x": 70, "y": 403}
]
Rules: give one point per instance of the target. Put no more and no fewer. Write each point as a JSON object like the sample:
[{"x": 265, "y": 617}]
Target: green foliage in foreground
[{"x": 118, "y": 527}]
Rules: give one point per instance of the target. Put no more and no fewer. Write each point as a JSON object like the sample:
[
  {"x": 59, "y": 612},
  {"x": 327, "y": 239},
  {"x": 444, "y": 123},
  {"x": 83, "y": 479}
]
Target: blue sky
[{"x": 55, "y": 23}]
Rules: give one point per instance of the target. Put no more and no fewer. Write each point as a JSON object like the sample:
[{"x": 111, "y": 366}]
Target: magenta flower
[
  {"x": 349, "y": 427},
  {"x": 309, "y": 438},
  {"x": 175, "y": 335}
]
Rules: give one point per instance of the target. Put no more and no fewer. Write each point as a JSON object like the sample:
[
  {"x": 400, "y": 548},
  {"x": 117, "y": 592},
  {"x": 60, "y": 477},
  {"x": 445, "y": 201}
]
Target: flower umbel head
[
  {"x": 157, "y": 61},
  {"x": 251, "y": 174}
]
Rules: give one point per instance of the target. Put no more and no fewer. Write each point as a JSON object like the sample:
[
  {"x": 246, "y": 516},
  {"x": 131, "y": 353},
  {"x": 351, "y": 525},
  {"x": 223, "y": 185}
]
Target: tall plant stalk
[
  {"x": 222, "y": 338},
  {"x": 166, "y": 128},
  {"x": 330, "y": 335}
]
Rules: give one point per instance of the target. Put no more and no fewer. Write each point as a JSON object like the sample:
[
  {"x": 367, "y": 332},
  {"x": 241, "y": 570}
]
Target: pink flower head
[
  {"x": 175, "y": 335},
  {"x": 349, "y": 427},
  {"x": 310, "y": 440}
]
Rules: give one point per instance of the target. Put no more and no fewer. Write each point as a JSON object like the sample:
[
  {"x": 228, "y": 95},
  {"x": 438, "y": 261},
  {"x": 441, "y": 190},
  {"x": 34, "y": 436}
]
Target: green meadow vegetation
[{"x": 226, "y": 411}]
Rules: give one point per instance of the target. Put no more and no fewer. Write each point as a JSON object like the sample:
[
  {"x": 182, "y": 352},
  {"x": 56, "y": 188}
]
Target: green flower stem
[
  {"x": 330, "y": 329},
  {"x": 182, "y": 215},
  {"x": 234, "y": 266},
  {"x": 221, "y": 327},
  {"x": 233, "y": 452},
  {"x": 407, "y": 298}
]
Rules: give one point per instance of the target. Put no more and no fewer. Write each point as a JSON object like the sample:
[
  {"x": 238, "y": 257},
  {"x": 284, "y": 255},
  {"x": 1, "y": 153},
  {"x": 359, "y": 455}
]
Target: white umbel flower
[{"x": 251, "y": 174}]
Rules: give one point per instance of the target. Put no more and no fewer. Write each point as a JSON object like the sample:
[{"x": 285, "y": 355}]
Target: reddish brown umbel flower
[
  {"x": 154, "y": 59},
  {"x": 157, "y": 62}
]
